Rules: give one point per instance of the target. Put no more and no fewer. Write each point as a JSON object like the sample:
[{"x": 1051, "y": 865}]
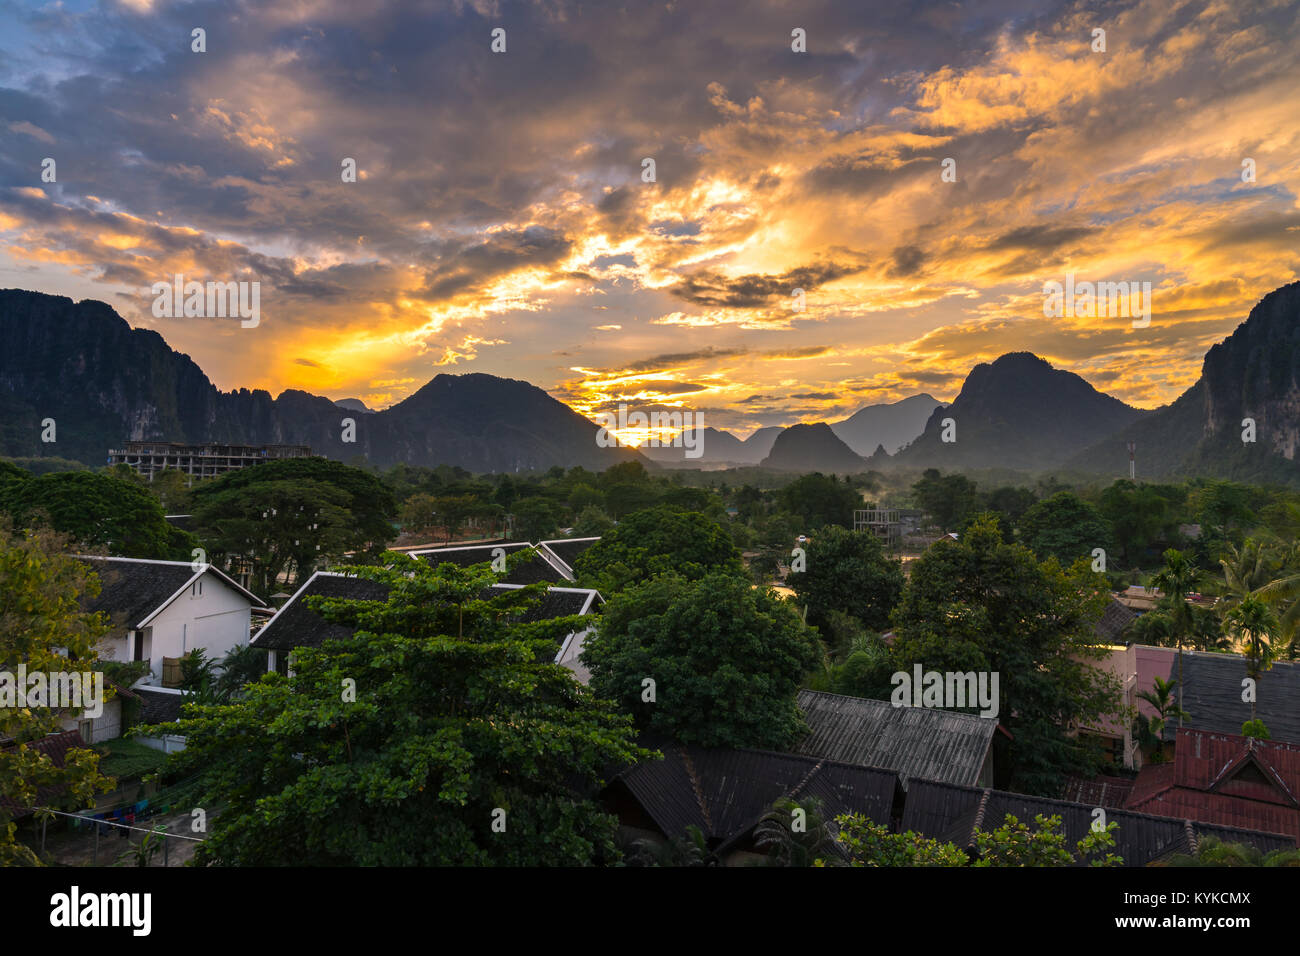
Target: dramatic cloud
[{"x": 503, "y": 217}]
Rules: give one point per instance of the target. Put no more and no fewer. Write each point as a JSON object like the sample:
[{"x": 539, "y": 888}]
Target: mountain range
[{"x": 103, "y": 382}]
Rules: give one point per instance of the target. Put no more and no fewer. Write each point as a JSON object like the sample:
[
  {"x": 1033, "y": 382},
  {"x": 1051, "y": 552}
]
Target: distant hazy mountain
[
  {"x": 352, "y": 404},
  {"x": 1018, "y": 412},
  {"x": 1255, "y": 374},
  {"x": 892, "y": 426},
  {"x": 103, "y": 382},
  {"x": 718, "y": 447},
  {"x": 813, "y": 448}
]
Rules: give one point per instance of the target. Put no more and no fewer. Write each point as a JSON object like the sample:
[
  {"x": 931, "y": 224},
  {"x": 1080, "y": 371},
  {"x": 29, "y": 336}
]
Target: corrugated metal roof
[
  {"x": 1225, "y": 779},
  {"x": 1212, "y": 695},
  {"x": 726, "y": 792},
  {"x": 914, "y": 741},
  {"x": 953, "y": 814}
]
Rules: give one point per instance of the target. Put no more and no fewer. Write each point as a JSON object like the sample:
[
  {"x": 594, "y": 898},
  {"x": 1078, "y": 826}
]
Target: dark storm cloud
[{"x": 750, "y": 291}]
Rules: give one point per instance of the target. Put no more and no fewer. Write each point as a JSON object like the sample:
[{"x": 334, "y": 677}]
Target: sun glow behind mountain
[{"x": 500, "y": 221}]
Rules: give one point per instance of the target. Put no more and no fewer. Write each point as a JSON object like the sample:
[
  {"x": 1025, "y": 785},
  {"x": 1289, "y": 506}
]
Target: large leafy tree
[
  {"x": 1012, "y": 844},
  {"x": 1140, "y": 515},
  {"x": 43, "y": 627},
  {"x": 723, "y": 660},
  {"x": 848, "y": 571},
  {"x": 947, "y": 499},
  {"x": 287, "y": 517},
  {"x": 1064, "y": 527},
  {"x": 820, "y": 500},
  {"x": 653, "y": 541},
  {"x": 440, "y": 733},
  {"x": 97, "y": 511},
  {"x": 980, "y": 604}
]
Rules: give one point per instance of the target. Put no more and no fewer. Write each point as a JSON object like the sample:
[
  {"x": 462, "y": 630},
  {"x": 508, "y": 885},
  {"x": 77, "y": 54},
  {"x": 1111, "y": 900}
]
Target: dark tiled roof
[
  {"x": 1212, "y": 697},
  {"x": 952, "y": 814},
  {"x": 132, "y": 590},
  {"x": 1114, "y": 622},
  {"x": 536, "y": 571},
  {"x": 1227, "y": 780},
  {"x": 297, "y": 625},
  {"x": 159, "y": 707},
  {"x": 556, "y": 602},
  {"x": 56, "y": 747},
  {"x": 726, "y": 792},
  {"x": 914, "y": 741},
  {"x": 1099, "y": 791},
  {"x": 568, "y": 549}
]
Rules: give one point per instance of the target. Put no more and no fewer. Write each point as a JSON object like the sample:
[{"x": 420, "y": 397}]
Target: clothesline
[{"x": 97, "y": 821}]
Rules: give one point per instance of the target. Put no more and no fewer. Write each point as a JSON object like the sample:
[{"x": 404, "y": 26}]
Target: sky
[{"x": 501, "y": 220}]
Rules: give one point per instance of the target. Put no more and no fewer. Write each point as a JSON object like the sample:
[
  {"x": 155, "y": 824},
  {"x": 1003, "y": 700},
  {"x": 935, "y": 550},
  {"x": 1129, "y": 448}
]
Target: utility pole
[{"x": 1132, "y": 467}]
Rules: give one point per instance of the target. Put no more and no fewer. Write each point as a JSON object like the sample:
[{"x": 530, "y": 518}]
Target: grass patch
[{"x": 128, "y": 759}]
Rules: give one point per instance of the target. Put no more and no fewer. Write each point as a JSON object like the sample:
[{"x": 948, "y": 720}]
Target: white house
[{"x": 165, "y": 609}]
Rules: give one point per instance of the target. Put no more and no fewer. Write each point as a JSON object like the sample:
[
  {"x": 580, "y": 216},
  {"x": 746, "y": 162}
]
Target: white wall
[
  {"x": 216, "y": 620},
  {"x": 107, "y": 726}
]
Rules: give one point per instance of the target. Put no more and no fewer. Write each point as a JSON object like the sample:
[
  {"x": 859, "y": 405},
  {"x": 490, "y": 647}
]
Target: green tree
[
  {"x": 794, "y": 833},
  {"x": 98, "y": 511},
  {"x": 1253, "y": 624},
  {"x": 947, "y": 499},
  {"x": 43, "y": 627},
  {"x": 724, "y": 660},
  {"x": 1139, "y": 516},
  {"x": 592, "y": 522},
  {"x": 848, "y": 571},
  {"x": 1178, "y": 576},
  {"x": 980, "y": 604},
  {"x": 654, "y": 541},
  {"x": 1011, "y": 844},
  {"x": 1162, "y": 698},
  {"x": 1255, "y": 728},
  {"x": 1014, "y": 844},
  {"x": 536, "y": 518},
  {"x": 441, "y": 733},
  {"x": 1211, "y": 851},
  {"x": 1064, "y": 527},
  {"x": 282, "y": 528},
  {"x": 819, "y": 500}
]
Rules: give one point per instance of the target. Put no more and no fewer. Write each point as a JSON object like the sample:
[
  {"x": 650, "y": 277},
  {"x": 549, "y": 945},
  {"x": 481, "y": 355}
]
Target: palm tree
[
  {"x": 1253, "y": 623},
  {"x": 1284, "y": 592},
  {"x": 1175, "y": 579},
  {"x": 1211, "y": 851},
  {"x": 1247, "y": 568},
  {"x": 1162, "y": 699},
  {"x": 788, "y": 846}
]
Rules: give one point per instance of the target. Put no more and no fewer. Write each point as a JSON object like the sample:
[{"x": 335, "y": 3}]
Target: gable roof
[
  {"x": 565, "y": 551},
  {"x": 56, "y": 747},
  {"x": 135, "y": 590},
  {"x": 1225, "y": 779},
  {"x": 953, "y": 814},
  {"x": 160, "y": 706},
  {"x": 296, "y": 625},
  {"x": 557, "y": 602},
  {"x": 1115, "y": 620},
  {"x": 542, "y": 568},
  {"x": 726, "y": 792},
  {"x": 1212, "y": 695},
  {"x": 914, "y": 741}
]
